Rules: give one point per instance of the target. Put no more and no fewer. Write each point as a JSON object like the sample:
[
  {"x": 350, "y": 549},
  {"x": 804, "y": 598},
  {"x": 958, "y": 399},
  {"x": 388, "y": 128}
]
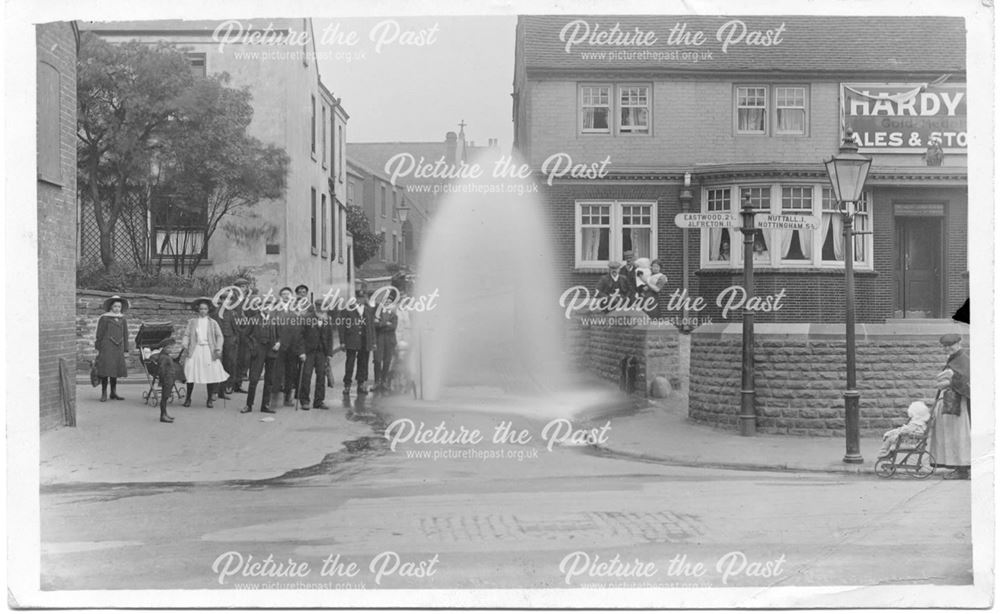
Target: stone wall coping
[
  {"x": 134, "y": 295},
  {"x": 778, "y": 271},
  {"x": 832, "y": 332}
]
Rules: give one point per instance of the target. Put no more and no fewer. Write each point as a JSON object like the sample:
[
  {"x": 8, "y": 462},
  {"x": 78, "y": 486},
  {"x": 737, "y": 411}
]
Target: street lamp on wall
[
  {"x": 848, "y": 171},
  {"x": 403, "y": 211}
]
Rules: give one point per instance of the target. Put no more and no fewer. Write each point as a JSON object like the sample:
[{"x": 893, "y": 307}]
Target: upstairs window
[
  {"x": 633, "y": 107},
  {"x": 596, "y": 108},
  {"x": 771, "y": 110},
  {"x": 751, "y": 110}
]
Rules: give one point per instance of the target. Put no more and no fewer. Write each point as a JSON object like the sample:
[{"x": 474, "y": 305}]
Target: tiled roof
[
  {"x": 375, "y": 155},
  {"x": 855, "y": 44},
  {"x": 189, "y": 25}
]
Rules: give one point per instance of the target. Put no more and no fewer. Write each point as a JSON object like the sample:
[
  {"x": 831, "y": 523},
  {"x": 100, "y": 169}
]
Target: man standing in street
[
  {"x": 317, "y": 350},
  {"x": 286, "y": 361},
  {"x": 386, "y": 321},
  {"x": 230, "y": 323},
  {"x": 262, "y": 336},
  {"x": 356, "y": 329}
]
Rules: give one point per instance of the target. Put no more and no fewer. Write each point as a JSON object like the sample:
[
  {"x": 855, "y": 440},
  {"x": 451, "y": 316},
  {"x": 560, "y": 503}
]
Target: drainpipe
[{"x": 685, "y": 197}]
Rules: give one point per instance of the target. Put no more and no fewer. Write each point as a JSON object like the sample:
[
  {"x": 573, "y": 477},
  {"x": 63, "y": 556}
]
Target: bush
[{"x": 140, "y": 280}]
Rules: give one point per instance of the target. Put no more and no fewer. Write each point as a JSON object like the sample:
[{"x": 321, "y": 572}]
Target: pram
[
  {"x": 149, "y": 336},
  {"x": 908, "y": 456}
]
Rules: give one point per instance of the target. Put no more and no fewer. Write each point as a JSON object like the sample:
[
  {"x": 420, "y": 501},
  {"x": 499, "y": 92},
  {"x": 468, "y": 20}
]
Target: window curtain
[
  {"x": 751, "y": 120},
  {"x": 784, "y": 240},
  {"x": 834, "y": 220},
  {"x": 639, "y": 241},
  {"x": 715, "y": 243},
  {"x": 805, "y": 242},
  {"x": 590, "y": 241}
]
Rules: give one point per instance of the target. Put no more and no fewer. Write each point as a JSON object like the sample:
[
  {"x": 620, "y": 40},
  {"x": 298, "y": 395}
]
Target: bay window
[
  {"x": 760, "y": 199},
  {"x": 606, "y": 229},
  {"x": 795, "y": 244},
  {"x": 785, "y": 248},
  {"x": 720, "y": 240}
]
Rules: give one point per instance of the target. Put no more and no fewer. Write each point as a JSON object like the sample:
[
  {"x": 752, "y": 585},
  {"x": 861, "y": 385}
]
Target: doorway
[{"x": 918, "y": 270}]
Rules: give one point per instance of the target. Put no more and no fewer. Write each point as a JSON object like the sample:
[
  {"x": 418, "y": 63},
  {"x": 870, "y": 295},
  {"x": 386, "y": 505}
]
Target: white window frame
[
  {"x": 614, "y": 239},
  {"x": 644, "y": 130},
  {"x": 610, "y": 106},
  {"x": 737, "y": 106},
  {"x": 775, "y": 260},
  {"x": 804, "y": 108}
]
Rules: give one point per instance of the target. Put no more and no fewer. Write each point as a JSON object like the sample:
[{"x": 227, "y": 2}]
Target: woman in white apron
[{"x": 203, "y": 350}]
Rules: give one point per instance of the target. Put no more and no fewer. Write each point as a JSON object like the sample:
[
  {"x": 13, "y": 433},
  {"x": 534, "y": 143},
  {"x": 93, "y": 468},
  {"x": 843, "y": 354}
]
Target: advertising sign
[{"x": 905, "y": 117}]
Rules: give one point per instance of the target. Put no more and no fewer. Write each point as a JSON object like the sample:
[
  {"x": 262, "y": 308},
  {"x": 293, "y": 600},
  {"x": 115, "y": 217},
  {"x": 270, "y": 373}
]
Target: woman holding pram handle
[{"x": 950, "y": 439}]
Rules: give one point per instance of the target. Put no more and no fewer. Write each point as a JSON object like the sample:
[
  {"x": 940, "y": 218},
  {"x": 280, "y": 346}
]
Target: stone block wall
[
  {"x": 596, "y": 344},
  {"x": 800, "y": 374},
  {"x": 142, "y": 308}
]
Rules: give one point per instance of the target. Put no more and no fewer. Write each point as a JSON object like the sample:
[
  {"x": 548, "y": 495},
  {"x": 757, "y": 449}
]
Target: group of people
[
  {"x": 635, "y": 279},
  {"x": 289, "y": 349}
]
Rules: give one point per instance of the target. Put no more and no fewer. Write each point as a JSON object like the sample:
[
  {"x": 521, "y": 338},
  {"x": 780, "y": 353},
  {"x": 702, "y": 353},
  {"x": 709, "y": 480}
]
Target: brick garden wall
[
  {"x": 57, "y": 209},
  {"x": 800, "y": 374},
  {"x": 142, "y": 308}
]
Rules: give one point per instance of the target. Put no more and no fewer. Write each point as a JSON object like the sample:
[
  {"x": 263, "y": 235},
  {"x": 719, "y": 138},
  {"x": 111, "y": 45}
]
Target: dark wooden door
[{"x": 918, "y": 267}]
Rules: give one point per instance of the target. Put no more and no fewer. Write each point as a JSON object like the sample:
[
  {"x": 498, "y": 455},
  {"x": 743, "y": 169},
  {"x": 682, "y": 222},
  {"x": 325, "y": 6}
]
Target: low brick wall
[
  {"x": 800, "y": 374},
  {"x": 142, "y": 308},
  {"x": 598, "y": 348}
]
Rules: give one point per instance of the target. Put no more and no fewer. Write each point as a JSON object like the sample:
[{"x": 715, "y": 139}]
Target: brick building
[
  {"x": 381, "y": 200},
  {"x": 56, "y": 48},
  {"x": 640, "y": 107},
  {"x": 422, "y": 193},
  {"x": 301, "y": 237}
]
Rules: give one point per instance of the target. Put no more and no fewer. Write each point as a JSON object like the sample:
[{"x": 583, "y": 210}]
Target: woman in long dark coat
[{"x": 112, "y": 346}]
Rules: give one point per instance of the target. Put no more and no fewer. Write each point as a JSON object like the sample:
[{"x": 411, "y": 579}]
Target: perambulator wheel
[
  {"x": 885, "y": 467},
  {"x": 924, "y": 466}
]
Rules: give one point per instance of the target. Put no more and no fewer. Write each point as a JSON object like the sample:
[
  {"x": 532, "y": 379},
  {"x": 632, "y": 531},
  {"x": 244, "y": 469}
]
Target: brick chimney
[{"x": 450, "y": 147}]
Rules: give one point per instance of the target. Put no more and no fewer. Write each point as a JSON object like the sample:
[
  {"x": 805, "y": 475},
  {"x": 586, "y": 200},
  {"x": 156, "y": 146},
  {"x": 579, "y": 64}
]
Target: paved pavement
[
  {"x": 123, "y": 441},
  {"x": 663, "y": 433}
]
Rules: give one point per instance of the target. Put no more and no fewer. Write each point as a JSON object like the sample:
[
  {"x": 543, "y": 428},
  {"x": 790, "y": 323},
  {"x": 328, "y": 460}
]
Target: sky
[{"x": 416, "y": 78}]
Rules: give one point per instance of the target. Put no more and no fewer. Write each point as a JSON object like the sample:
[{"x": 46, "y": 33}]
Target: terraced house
[{"x": 663, "y": 115}]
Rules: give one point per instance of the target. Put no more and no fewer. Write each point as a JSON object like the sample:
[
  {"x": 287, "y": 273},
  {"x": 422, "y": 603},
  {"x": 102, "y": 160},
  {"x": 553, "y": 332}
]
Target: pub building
[
  {"x": 666, "y": 115},
  {"x": 752, "y": 112}
]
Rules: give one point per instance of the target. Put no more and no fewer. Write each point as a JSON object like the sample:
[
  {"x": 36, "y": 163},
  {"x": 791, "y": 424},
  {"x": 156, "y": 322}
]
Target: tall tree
[
  {"x": 151, "y": 129},
  {"x": 213, "y": 168},
  {"x": 127, "y": 95},
  {"x": 366, "y": 242}
]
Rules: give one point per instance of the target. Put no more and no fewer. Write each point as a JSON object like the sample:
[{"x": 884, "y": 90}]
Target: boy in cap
[{"x": 169, "y": 373}]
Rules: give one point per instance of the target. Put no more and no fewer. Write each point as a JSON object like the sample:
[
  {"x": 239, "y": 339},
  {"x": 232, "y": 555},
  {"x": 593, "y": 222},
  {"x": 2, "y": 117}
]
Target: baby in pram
[{"x": 919, "y": 414}]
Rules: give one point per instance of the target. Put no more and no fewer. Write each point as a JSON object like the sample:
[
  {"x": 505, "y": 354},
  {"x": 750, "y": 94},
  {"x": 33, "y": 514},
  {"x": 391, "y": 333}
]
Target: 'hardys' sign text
[{"x": 905, "y": 117}]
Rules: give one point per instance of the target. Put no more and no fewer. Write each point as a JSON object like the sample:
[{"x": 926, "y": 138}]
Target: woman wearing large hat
[
  {"x": 202, "y": 344},
  {"x": 112, "y": 346}
]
